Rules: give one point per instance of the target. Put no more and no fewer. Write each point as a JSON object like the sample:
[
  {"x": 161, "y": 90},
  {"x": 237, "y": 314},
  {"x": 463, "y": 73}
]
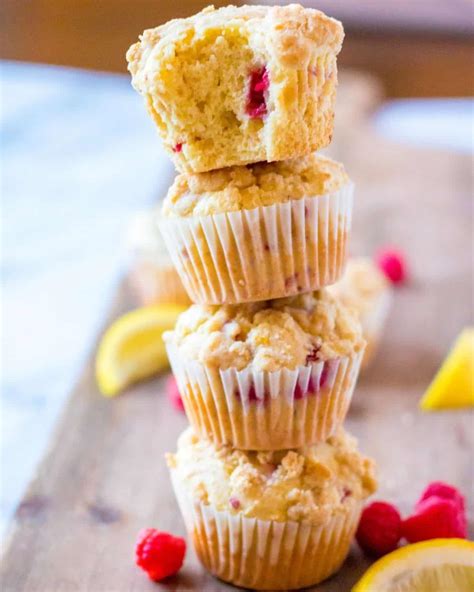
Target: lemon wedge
[
  {"x": 438, "y": 565},
  {"x": 453, "y": 385},
  {"x": 132, "y": 348}
]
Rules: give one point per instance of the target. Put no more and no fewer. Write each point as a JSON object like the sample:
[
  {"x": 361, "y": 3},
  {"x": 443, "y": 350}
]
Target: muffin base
[
  {"x": 263, "y": 253},
  {"x": 265, "y": 554},
  {"x": 254, "y": 410}
]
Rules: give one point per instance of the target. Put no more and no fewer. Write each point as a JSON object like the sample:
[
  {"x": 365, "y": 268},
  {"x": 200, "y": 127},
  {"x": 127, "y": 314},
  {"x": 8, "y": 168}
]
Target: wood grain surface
[{"x": 104, "y": 477}]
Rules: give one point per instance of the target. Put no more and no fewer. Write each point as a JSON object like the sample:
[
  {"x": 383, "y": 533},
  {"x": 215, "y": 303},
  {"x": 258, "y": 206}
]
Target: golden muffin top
[
  {"x": 307, "y": 484},
  {"x": 246, "y": 187},
  {"x": 269, "y": 335}
]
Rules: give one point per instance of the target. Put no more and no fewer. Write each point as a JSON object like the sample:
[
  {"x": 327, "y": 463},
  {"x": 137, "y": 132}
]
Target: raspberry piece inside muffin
[{"x": 259, "y": 84}]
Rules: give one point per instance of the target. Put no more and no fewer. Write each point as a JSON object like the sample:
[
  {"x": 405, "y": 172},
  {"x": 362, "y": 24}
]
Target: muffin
[
  {"x": 365, "y": 288},
  {"x": 267, "y": 375},
  {"x": 261, "y": 231},
  {"x": 153, "y": 277},
  {"x": 240, "y": 84},
  {"x": 271, "y": 520}
]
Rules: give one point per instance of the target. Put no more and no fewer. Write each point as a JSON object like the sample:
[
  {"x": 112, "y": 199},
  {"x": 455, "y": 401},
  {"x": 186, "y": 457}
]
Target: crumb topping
[
  {"x": 308, "y": 484},
  {"x": 251, "y": 186},
  {"x": 282, "y": 333}
]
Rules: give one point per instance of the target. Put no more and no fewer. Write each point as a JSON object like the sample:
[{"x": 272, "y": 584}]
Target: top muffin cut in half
[{"x": 240, "y": 84}]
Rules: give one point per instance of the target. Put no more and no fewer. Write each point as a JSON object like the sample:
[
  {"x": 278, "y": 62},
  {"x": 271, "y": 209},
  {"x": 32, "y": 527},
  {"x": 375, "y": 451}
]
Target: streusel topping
[
  {"x": 246, "y": 187},
  {"x": 307, "y": 484},
  {"x": 269, "y": 335}
]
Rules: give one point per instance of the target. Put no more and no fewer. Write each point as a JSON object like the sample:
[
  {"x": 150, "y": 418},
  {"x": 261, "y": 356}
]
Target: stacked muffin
[{"x": 269, "y": 484}]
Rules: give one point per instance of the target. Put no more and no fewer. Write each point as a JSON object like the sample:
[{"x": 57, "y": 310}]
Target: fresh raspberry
[
  {"x": 256, "y": 103},
  {"x": 444, "y": 490},
  {"x": 434, "y": 518},
  {"x": 173, "y": 393},
  {"x": 379, "y": 528},
  {"x": 160, "y": 554},
  {"x": 178, "y": 147},
  {"x": 392, "y": 263}
]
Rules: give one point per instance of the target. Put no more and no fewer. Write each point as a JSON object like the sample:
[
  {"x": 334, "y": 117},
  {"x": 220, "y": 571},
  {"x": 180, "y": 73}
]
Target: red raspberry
[
  {"x": 379, "y": 528},
  {"x": 392, "y": 263},
  {"x": 160, "y": 554},
  {"x": 258, "y": 86},
  {"x": 444, "y": 490},
  {"x": 434, "y": 518},
  {"x": 173, "y": 393}
]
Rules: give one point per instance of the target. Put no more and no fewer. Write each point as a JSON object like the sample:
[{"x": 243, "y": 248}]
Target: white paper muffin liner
[
  {"x": 257, "y": 410},
  {"x": 266, "y": 554},
  {"x": 263, "y": 253}
]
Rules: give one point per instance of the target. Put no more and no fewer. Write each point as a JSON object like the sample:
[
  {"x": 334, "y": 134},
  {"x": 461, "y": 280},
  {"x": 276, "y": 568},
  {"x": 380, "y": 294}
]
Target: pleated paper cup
[
  {"x": 157, "y": 284},
  {"x": 265, "y": 554},
  {"x": 256, "y": 410},
  {"x": 373, "y": 321},
  {"x": 263, "y": 253}
]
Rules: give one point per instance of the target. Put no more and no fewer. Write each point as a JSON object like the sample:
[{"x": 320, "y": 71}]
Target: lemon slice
[
  {"x": 438, "y": 565},
  {"x": 132, "y": 348},
  {"x": 453, "y": 385}
]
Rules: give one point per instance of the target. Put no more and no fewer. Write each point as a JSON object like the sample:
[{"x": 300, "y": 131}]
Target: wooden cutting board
[{"x": 104, "y": 477}]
